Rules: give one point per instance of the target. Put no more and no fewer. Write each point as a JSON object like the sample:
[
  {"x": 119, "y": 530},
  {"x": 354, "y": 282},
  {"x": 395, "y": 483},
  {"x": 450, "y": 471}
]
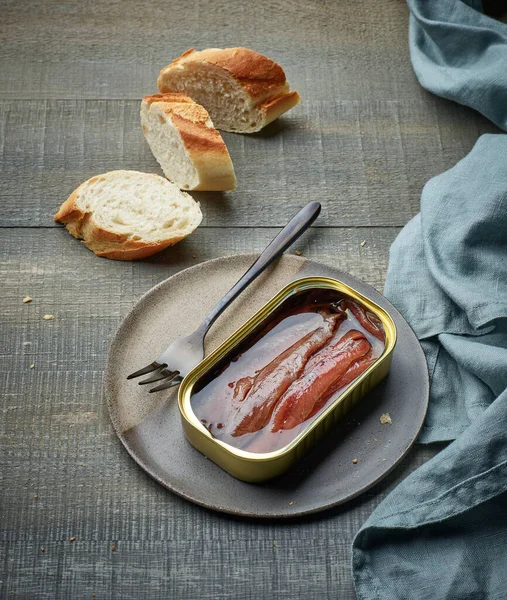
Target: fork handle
[{"x": 289, "y": 234}]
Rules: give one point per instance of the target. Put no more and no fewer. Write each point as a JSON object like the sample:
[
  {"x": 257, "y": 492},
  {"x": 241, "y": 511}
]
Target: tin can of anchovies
[{"x": 257, "y": 455}]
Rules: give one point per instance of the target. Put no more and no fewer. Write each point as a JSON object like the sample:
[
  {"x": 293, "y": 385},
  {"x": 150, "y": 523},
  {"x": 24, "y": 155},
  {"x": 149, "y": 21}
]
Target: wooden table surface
[{"x": 364, "y": 140}]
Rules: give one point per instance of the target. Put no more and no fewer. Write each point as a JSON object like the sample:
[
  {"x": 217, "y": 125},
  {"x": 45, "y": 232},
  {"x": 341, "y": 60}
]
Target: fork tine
[
  {"x": 163, "y": 374},
  {"x": 148, "y": 369},
  {"x": 174, "y": 380}
]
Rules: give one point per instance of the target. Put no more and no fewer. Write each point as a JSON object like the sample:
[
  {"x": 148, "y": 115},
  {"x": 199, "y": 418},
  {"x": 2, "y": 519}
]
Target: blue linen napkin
[
  {"x": 448, "y": 276},
  {"x": 461, "y": 54},
  {"x": 442, "y": 533}
]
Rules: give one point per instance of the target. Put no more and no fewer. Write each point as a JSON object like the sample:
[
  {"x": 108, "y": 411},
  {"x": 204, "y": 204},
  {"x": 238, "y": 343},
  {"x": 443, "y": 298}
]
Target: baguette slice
[
  {"x": 182, "y": 138},
  {"x": 127, "y": 215},
  {"x": 241, "y": 89}
]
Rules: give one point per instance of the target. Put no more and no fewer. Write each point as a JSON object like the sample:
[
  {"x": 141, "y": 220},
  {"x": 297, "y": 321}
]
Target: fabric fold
[
  {"x": 442, "y": 533},
  {"x": 459, "y": 53},
  {"x": 448, "y": 276},
  {"x": 436, "y": 524}
]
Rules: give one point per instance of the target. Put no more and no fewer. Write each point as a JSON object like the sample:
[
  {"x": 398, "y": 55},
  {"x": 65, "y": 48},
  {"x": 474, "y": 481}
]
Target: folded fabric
[
  {"x": 461, "y": 54},
  {"x": 448, "y": 276},
  {"x": 442, "y": 533}
]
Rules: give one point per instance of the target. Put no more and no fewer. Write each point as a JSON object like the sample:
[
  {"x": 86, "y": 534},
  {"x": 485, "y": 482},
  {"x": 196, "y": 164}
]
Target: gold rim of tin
[{"x": 299, "y": 285}]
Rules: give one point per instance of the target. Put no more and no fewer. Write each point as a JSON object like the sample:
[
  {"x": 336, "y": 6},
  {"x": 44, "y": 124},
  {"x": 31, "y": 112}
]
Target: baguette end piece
[
  {"x": 190, "y": 151},
  {"x": 241, "y": 89},
  {"x": 128, "y": 215}
]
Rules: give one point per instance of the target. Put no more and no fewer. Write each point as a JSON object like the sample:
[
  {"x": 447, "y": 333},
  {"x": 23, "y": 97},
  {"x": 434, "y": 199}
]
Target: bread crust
[
  {"x": 260, "y": 77},
  {"x": 275, "y": 107},
  {"x": 132, "y": 253},
  {"x": 104, "y": 242},
  {"x": 203, "y": 143}
]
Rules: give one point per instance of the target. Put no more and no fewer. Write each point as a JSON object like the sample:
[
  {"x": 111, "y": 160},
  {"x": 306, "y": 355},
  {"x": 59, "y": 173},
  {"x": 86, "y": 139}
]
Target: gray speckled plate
[{"x": 149, "y": 424}]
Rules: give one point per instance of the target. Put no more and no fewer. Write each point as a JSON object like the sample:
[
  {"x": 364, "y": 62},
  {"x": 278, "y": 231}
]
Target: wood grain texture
[
  {"x": 115, "y": 49},
  {"x": 88, "y": 295},
  {"x": 365, "y": 161},
  {"x": 57, "y": 443},
  {"x": 364, "y": 141}
]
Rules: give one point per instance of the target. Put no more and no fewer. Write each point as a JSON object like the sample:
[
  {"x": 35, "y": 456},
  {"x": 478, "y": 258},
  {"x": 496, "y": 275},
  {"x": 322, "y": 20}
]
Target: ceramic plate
[{"x": 149, "y": 424}]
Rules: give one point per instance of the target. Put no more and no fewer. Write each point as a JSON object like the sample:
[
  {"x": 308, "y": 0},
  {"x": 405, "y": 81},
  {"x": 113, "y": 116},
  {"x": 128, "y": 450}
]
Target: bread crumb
[
  {"x": 32, "y": 366},
  {"x": 386, "y": 419},
  {"x": 363, "y": 243},
  {"x": 375, "y": 440},
  {"x": 299, "y": 253},
  {"x": 113, "y": 548},
  {"x": 354, "y": 460},
  {"x": 42, "y": 548},
  {"x": 27, "y": 299},
  {"x": 72, "y": 539},
  {"x": 292, "y": 503},
  {"x": 48, "y": 317}
]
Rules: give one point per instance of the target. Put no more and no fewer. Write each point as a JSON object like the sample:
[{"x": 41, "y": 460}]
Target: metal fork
[{"x": 180, "y": 357}]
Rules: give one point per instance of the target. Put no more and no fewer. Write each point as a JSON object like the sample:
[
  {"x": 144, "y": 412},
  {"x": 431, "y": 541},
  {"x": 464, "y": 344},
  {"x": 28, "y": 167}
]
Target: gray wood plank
[
  {"x": 88, "y": 295},
  {"x": 57, "y": 443},
  {"x": 366, "y": 161},
  {"x": 88, "y": 487},
  {"x": 364, "y": 141},
  {"x": 116, "y": 49},
  {"x": 220, "y": 568}
]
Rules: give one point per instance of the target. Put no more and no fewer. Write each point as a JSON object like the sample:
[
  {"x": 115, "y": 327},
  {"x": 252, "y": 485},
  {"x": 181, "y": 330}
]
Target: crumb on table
[
  {"x": 386, "y": 419},
  {"x": 26, "y": 299},
  {"x": 354, "y": 460},
  {"x": 48, "y": 317}
]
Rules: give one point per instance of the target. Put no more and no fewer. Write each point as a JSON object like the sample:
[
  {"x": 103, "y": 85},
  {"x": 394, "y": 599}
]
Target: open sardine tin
[{"x": 257, "y": 466}]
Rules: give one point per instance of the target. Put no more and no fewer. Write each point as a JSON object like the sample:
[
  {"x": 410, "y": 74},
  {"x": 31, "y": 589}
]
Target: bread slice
[
  {"x": 182, "y": 138},
  {"x": 127, "y": 215},
  {"x": 241, "y": 89}
]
